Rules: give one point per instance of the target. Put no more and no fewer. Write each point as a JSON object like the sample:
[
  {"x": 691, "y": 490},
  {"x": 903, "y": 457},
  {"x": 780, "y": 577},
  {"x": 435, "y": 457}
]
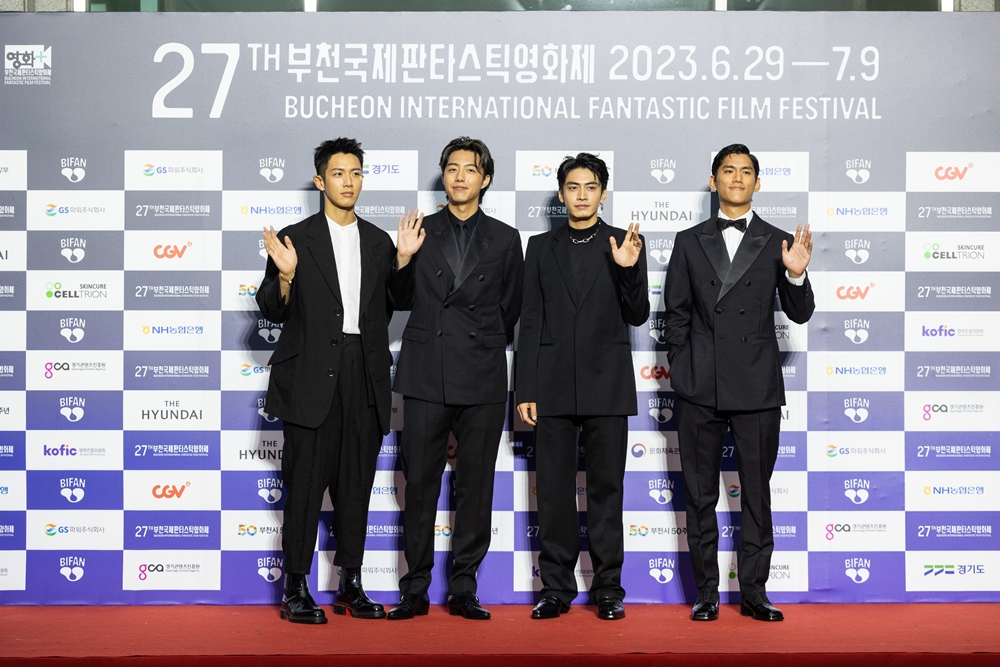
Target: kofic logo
[
  {"x": 272, "y": 169},
  {"x": 71, "y": 407},
  {"x": 638, "y": 450},
  {"x": 72, "y": 489},
  {"x": 857, "y": 330},
  {"x": 856, "y": 409},
  {"x": 858, "y": 569},
  {"x": 859, "y": 170},
  {"x": 662, "y": 170},
  {"x": 661, "y": 569},
  {"x": 856, "y": 490},
  {"x": 73, "y": 168},
  {"x": 929, "y": 408},
  {"x": 951, "y": 173},
  {"x": 71, "y": 567},
  {"x": 942, "y": 331},
  {"x": 164, "y": 491}
]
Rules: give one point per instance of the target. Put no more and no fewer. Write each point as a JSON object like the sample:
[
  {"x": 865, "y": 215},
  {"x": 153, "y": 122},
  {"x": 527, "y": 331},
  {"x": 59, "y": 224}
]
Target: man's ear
[{"x": 318, "y": 182}]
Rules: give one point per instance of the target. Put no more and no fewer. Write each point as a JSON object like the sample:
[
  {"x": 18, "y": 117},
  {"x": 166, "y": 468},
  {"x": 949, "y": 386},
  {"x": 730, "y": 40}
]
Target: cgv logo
[
  {"x": 654, "y": 373},
  {"x": 171, "y": 491},
  {"x": 170, "y": 251},
  {"x": 951, "y": 173},
  {"x": 848, "y": 292}
]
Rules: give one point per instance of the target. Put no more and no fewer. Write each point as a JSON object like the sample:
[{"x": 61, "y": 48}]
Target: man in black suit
[
  {"x": 584, "y": 284},
  {"x": 726, "y": 370},
  {"x": 326, "y": 279},
  {"x": 464, "y": 297}
]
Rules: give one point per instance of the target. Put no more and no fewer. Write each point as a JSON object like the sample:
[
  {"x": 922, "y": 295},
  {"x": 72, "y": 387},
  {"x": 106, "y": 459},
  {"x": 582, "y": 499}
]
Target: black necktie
[
  {"x": 740, "y": 224},
  {"x": 463, "y": 237}
]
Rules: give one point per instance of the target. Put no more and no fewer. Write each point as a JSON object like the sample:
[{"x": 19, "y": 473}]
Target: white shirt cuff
[{"x": 798, "y": 282}]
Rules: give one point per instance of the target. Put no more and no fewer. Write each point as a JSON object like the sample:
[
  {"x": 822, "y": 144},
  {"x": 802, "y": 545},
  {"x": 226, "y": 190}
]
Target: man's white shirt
[{"x": 347, "y": 251}]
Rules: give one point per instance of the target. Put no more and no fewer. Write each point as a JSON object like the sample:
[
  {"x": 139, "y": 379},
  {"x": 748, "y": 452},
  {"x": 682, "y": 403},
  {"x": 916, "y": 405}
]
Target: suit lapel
[
  {"x": 370, "y": 265},
  {"x": 478, "y": 245},
  {"x": 750, "y": 248},
  {"x": 321, "y": 248},
  {"x": 599, "y": 258},
  {"x": 714, "y": 245},
  {"x": 560, "y": 250},
  {"x": 445, "y": 238}
]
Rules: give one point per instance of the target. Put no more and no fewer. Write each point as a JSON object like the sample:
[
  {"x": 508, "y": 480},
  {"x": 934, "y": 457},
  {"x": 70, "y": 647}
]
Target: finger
[
  {"x": 614, "y": 245},
  {"x": 419, "y": 221},
  {"x": 288, "y": 243}
]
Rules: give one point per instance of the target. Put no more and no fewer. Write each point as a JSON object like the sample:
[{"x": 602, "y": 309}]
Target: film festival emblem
[{"x": 27, "y": 65}]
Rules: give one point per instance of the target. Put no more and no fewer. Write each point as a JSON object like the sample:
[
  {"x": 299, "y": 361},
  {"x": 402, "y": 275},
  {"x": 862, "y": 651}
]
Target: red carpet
[{"x": 813, "y": 635}]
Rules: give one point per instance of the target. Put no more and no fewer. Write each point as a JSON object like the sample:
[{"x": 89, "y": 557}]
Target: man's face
[
  {"x": 463, "y": 180},
  {"x": 582, "y": 194},
  {"x": 735, "y": 181},
  {"x": 341, "y": 182}
]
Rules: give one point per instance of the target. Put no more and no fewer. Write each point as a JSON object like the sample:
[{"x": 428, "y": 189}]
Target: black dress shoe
[
  {"x": 760, "y": 608},
  {"x": 297, "y": 604},
  {"x": 409, "y": 606},
  {"x": 706, "y": 607},
  {"x": 351, "y": 597},
  {"x": 466, "y": 605},
  {"x": 549, "y": 607},
  {"x": 610, "y": 609}
]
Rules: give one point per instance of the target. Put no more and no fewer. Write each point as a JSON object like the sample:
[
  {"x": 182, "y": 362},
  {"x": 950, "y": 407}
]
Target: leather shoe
[
  {"x": 706, "y": 607},
  {"x": 610, "y": 609},
  {"x": 760, "y": 608},
  {"x": 297, "y": 604},
  {"x": 549, "y": 607},
  {"x": 466, "y": 605},
  {"x": 351, "y": 597},
  {"x": 409, "y": 606}
]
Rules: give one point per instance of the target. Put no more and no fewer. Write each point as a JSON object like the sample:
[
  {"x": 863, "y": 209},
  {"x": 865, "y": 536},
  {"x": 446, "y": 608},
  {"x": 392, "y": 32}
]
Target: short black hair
[
  {"x": 331, "y": 147},
  {"x": 735, "y": 149},
  {"x": 586, "y": 161},
  {"x": 484, "y": 159}
]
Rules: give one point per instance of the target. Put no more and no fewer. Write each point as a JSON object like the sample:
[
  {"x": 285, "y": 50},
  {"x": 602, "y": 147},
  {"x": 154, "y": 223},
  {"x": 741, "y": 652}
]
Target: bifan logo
[
  {"x": 272, "y": 175},
  {"x": 170, "y": 251},
  {"x": 663, "y": 575},
  {"x": 661, "y": 415},
  {"x": 661, "y": 496},
  {"x": 856, "y": 415},
  {"x": 657, "y": 335},
  {"x": 270, "y": 496},
  {"x": 73, "y": 168},
  {"x": 270, "y": 335},
  {"x": 72, "y": 573},
  {"x": 857, "y": 569},
  {"x": 856, "y": 330},
  {"x": 171, "y": 491},
  {"x": 951, "y": 173},
  {"x": 654, "y": 373},
  {"x": 73, "y": 255},
  {"x": 845, "y": 292},
  {"x": 270, "y": 574},
  {"x": 662, "y": 170}
]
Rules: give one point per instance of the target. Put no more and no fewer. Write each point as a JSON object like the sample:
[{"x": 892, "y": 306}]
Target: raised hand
[
  {"x": 409, "y": 237},
  {"x": 796, "y": 258},
  {"x": 628, "y": 254},
  {"x": 283, "y": 254}
]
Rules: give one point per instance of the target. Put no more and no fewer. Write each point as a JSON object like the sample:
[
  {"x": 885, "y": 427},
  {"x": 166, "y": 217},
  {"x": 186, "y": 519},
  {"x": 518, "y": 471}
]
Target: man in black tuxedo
[
  {"x": 464, "y": 297},
  {"x": 584, "y": 285},
  {"x": 326, "y": 279},
  {"x": 726, "y": 370}
]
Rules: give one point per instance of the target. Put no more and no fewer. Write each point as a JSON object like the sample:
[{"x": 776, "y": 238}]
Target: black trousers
[
  {"x": 424, "y": 450},
  {"x": 340, "y": 456},
  {"x": 700, "y": 431},
  {"x": 605, "y": 441}
]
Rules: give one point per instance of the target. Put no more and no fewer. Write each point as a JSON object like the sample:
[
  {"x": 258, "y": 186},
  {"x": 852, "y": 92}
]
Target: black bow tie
[{"x": 740, "y": 224}]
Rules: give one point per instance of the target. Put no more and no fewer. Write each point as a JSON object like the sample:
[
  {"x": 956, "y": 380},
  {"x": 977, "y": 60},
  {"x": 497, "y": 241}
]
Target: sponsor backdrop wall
[{"x": 142, "y": 154}]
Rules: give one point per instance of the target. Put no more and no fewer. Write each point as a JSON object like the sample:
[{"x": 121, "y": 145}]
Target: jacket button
[
  {"x": 338, "y": 313},
  {"x": 744, "y": 339},
  {"x": 472, "y": 307},
  {"x": 748, "y": 283},
  {"x": 438, "y": 273},
  {"x": 713, "y": 282},
  {"x": 446, "y": 304},
  {"x": 718, "y": 310},
  {"x": 330, "y": 372},
  {"x": 482, "y": 278},
  {"x": 472, "y": 335},
  {"x": 334, "y": 342},
  {"x": 742, "y": 311},
  {"x": 438, "y": 334}
]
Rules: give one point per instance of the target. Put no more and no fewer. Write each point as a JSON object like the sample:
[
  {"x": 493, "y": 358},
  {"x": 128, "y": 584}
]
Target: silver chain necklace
[{"x": 589, "y": 238}]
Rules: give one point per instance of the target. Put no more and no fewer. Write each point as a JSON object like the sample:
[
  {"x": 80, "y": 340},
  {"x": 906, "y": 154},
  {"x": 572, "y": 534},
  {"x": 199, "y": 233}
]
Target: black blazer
[
  {"x": 720, "y": 316},
  {"x": 305, "y": 364},
  {"x": 574, "y": 355},
  {"x": 463, "y": 313}
]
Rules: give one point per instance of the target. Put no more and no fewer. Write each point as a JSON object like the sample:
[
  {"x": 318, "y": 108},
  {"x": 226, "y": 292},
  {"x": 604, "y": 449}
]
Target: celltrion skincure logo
[
  {"x": 54, "y": 290},
  {"x": 859, "y": 170},
  {"x": 27, "y": 65},
  {"x": 73, "y": 168}
]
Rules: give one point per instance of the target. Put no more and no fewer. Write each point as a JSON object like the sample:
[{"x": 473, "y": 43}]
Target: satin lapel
[
  {"x": 370, "y": 264},
  {"x": 560, "y": 249},
  {"x": 478, "y": 245},
  {"x": 714, "y": 245},
  {"x": 750, "y": 248},
  {"x": 446, "y": 243},
  {"x": 321, "y": 248},
  {"x": 599, "y": 258}
]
